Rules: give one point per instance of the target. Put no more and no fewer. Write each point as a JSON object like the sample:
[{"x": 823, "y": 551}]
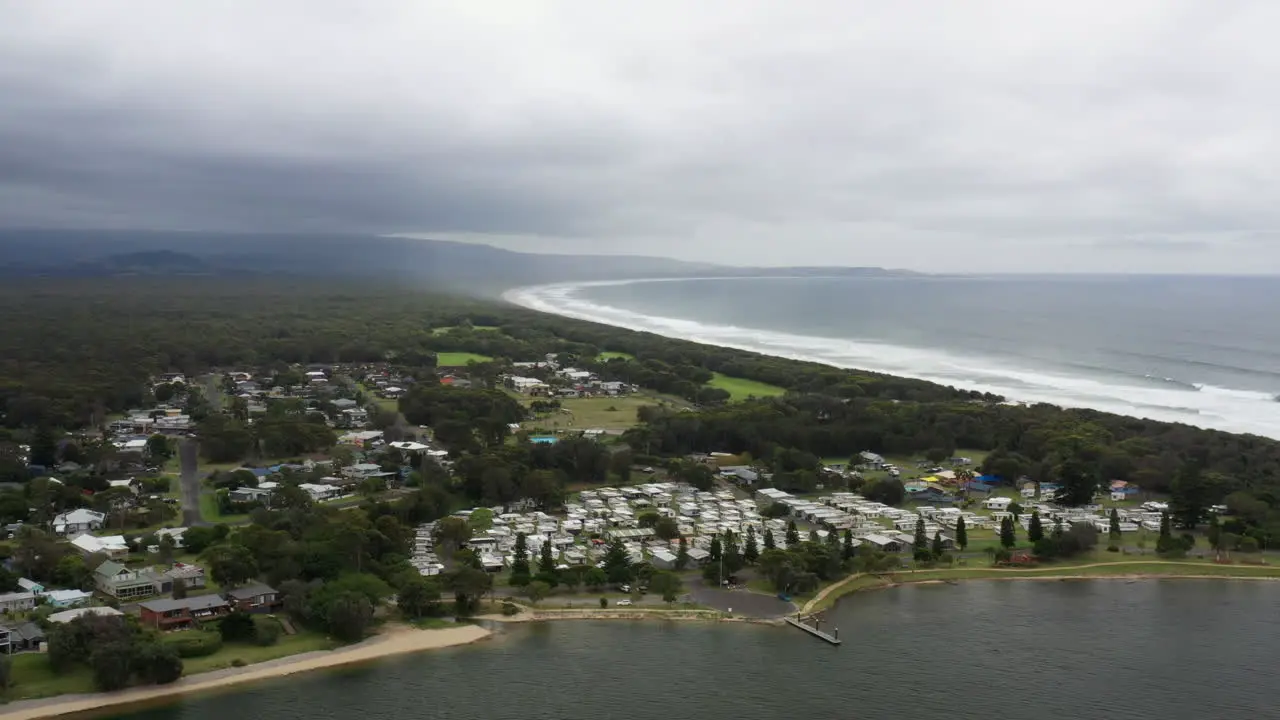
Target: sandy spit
[{"x": 396, "y": 640}]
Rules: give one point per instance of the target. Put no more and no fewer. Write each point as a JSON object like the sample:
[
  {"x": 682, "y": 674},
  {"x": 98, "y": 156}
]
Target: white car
[{"x": 622, "y": 603}]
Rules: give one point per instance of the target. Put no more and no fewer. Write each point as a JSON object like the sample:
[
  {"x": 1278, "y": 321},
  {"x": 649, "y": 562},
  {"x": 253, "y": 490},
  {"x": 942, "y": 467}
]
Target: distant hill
[{"x": 479, "y": 269}]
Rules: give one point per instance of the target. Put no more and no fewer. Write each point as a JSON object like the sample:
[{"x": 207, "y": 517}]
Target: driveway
[{"x": 189, "y": 482}]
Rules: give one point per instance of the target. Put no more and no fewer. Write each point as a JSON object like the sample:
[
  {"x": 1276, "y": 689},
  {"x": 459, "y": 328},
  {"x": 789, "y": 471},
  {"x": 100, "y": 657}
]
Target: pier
[{"x": 814, "y": 631}]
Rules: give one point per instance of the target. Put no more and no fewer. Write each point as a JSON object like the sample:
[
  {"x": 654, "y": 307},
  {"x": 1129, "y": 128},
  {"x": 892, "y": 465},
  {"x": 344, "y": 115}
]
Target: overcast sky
[{"x": 934, "y": 135}]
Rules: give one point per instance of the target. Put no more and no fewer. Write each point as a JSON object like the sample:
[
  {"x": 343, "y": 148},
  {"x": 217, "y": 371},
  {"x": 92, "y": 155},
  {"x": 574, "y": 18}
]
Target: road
[{"x": 189, "y": 482}]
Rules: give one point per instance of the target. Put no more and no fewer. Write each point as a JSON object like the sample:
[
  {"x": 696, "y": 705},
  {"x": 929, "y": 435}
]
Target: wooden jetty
[{"x": 832, "y": 639}]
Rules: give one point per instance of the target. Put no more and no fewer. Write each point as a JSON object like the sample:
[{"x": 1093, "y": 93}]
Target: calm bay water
[
  {"x": 1199, "y": 350},
  {"x": 1045, "y": 650}
]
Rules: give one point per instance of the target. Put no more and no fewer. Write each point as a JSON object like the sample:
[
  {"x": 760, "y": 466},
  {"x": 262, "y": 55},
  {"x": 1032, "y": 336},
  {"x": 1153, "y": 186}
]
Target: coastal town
[{"x": 252, "y": 513}]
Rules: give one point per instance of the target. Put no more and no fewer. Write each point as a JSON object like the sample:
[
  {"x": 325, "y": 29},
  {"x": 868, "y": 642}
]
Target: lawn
[
  {"x": 459, "y": 359},
  {"x": 249, "y": 653},
  {"x": 33, "y": 678},
  {"x": 741, "y": 388},
  {"x": 612, "y": 413},
  {"x": 610, "y": 355}
]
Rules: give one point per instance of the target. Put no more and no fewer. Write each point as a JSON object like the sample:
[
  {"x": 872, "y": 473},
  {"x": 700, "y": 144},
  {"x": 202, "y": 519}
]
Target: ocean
[
  {"x": 1196, "y": 350},
  {"x": 1122, "y": 650}
]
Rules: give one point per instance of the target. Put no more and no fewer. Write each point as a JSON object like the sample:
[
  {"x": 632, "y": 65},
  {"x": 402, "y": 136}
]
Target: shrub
[
  {"x": 266, "y": 631},
  {"x": 238, "y": 663},
  {"x": 510, "y": 609},
  {"x": 194, "y": 643},
  {"x": 1113, "y": 548},
  {"x": 604, "y": 603}
]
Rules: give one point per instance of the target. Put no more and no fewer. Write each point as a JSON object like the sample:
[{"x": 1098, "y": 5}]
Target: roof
[
  {"x": 199, "y": 602},
  {"x": 110, "y": 568},
  {"x": 17, "y": 596},
  {"x": 68, "y": 615},
  {"x": 249, "y": 592},
  {"x": 80, "y": 516}
]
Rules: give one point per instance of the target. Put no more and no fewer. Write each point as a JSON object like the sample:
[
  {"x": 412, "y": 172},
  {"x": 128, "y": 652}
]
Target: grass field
[
  {"x": 33, "y": 678},
  {"x": 477, "y": 328},
  {"x": 615, "y": 413},
  {"x": 609, "y": 355},
  {"x": 741, "y": 388},
  {"x": 250, "y": 653},
  {"x": 459, "y": 359}
]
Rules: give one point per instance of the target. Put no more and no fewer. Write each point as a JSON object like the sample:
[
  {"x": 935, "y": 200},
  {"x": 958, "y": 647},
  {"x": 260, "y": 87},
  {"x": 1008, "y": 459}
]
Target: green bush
[
  {"x": 266, "y": 631},
  {"x": 510, "y": 609},
  {"x": 194, "y": 643},
  {"x": 238, "y": 663}
]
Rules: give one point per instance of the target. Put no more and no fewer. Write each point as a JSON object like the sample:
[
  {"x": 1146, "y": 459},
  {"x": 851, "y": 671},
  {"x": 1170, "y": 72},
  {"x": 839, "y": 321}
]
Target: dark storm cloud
[{"x": 958, "y": 136}]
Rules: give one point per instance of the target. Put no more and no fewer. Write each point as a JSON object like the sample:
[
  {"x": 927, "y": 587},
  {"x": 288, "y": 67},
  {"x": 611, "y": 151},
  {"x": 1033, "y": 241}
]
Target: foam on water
[{"x": 1169, "y": 400}]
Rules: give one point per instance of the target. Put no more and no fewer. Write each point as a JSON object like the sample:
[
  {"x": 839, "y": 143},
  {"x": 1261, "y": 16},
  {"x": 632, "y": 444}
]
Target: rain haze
[{"x": 976, "y": 136}]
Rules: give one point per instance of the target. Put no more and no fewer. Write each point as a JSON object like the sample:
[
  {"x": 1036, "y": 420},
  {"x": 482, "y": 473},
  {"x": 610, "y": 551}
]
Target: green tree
[
  {"x": 44, "y": 447},
  {"x": 962, "y": 534},
  {"x": 715, "y": 551},
  {"x": 1035, "y": 531},
  {"x": 1007, "y": 536},
  {"x": 1078, "y": 478},
  {"x": 595, "y": 578},
  {"x": 1165, "y": 544},
  {"x": 418, "y": 597},
  {"x": 6, "y": 672},
  {"x": 520, "y": 563},
  {"x": 920, "y": 543},
  {"x": 751, "y": 553},
  {"x": 682, "y": 555},
  {"x": 536, "y": 591},
  {"x": 936, "y": 549},
  {"x": 667, "y": 585},
  {"x": 546, "y": 558},
  {"x": 793, "y": 534},
  {"x": 849, "y": 550},
  {"x": 112, "y": 664},
  {"x": 1113, "y": 528},
  {"x": 813, "y": 535},
  {"x": 617, "y": 565},
  {"x": 666, "y": 529},
  {"x": 349, "y": 616},
  {"x": 231, "y": 564},
  {"x": 159, "y": 447},
  {"x": 1214, "y": 535}
]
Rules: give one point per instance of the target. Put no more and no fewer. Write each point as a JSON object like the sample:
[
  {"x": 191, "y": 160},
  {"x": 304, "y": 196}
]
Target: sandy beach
[{"x": 396, "y": 640}]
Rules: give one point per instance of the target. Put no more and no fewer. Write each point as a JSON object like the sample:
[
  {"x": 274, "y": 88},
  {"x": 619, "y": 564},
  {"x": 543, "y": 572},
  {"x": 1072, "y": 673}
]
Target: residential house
[
  {"x": 662, "y": 559},
  {"x": 884, "y": 543},
  {"x": 80, "y": 520},
  {"x": 184, "y": 613},
  {"x": 66, "y": 598},
  {"x": 17, "y": 602},
  {"x": 113, "y": 579},
  {"x": 67, "y": 616},
  {"x": 20, "y": 637},
  {"x": 256, "y": 598},
  {"x": 120, "y": 582},
  {"x": 113, "y": 546},
  {"x": 997, "y": 503}
]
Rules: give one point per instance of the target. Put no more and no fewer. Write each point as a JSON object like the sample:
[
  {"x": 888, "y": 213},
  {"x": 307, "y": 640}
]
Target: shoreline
[
  {"x": 403, "y": 639},
  {"x": 396, "y": 640},
  {"x": 549, "y": 298},
  {"x": 834, "y": 593}
]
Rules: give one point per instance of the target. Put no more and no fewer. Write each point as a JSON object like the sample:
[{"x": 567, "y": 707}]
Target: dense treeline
[{"x": 73, "y": 352}]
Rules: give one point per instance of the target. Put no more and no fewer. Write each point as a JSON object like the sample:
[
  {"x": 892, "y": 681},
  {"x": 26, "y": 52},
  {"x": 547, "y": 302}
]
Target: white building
[{"x": 78, "y": 521}]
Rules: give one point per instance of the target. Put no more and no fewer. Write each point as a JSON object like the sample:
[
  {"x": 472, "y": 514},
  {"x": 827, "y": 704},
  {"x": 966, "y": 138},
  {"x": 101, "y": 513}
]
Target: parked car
[{"x": 621, "y": 603}]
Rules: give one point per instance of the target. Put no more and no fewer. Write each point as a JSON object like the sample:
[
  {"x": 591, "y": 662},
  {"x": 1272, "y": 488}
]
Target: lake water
[
  {"x": 1046, "y": 650},
  {"x": 1198, "y": 350}
]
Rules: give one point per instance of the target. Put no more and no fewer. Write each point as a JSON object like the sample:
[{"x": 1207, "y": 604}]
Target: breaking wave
[{"x": 1158, "y": 398}]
